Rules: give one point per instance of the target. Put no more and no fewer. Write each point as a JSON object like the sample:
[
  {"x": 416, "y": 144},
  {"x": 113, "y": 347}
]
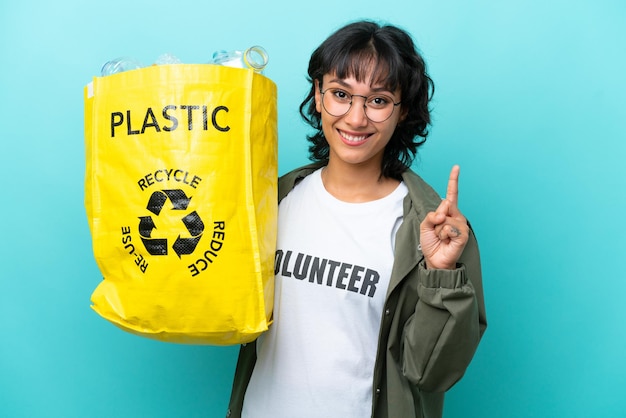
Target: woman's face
[{"x": 353, "y": 138}]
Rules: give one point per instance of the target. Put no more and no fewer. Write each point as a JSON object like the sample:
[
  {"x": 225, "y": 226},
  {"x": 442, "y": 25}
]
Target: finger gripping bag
[{"x": 180, "y": 195}]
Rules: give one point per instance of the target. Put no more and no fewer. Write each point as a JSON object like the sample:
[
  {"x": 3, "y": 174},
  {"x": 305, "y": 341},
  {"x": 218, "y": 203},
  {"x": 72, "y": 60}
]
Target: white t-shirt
[{"x": 333, "y": 264}]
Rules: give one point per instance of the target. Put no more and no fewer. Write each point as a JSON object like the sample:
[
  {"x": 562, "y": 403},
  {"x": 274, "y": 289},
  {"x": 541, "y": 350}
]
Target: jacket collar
[
  {"x": 288, "y": 181},
  {"x": 420, "y": 200}
]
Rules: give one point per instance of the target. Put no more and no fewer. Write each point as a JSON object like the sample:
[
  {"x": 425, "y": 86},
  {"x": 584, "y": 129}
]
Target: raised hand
[{"x": 444, "y": 232}]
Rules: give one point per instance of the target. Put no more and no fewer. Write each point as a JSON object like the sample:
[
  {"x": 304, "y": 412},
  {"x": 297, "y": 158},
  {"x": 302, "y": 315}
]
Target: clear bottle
[
  {"x": 119, "y": 65},
  {"x": 166, "y": 59},
  {"x": 255, "y": 58}
]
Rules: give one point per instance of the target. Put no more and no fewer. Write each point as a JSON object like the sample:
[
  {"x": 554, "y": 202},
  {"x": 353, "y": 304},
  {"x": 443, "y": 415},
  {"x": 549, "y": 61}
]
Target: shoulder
[{"x": 288, "y": 181}]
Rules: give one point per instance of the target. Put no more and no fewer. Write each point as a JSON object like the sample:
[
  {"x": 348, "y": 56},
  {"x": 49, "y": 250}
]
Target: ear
[
  {"x": 403, "y": 114},
  {"x": 318, "y": 97}
]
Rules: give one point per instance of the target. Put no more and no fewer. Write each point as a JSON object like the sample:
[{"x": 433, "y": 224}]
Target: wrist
[{"x": 430, "y": 266}]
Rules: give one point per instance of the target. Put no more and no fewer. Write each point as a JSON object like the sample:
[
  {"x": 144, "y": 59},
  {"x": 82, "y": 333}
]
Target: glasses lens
[
  {"x": 336, "y": 102},
  {"x": 378, "y": 108}
]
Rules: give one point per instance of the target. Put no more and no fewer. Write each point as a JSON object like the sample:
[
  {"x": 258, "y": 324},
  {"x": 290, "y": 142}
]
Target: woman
[{"x": 378, "y": 295}]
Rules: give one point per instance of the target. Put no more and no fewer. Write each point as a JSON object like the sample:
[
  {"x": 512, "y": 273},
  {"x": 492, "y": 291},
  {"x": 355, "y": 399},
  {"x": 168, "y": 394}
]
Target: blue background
[{"x": 529, "y": 101}]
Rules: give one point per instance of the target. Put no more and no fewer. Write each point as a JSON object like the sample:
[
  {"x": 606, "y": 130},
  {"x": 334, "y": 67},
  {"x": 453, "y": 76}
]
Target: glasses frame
[{"x": 322, "y": 92}]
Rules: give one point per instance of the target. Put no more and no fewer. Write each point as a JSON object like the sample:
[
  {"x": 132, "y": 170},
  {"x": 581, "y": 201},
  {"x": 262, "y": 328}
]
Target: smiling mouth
[{"x": 353, "y": 138}]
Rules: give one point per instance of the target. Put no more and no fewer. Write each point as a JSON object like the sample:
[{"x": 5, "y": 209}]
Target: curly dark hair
[{"x": 348, "y": 53}]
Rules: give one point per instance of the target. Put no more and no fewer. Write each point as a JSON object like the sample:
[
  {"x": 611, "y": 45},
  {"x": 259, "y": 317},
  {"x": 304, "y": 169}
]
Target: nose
[{"x": 356, "y": 115}]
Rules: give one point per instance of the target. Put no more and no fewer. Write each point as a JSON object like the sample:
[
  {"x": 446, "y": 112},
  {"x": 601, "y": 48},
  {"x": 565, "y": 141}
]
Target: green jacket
[{"x": 432, "y": 320}]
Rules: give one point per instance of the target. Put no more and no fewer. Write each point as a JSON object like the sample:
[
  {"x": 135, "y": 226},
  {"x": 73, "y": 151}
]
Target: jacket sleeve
[{"x": 441, "y": 336}]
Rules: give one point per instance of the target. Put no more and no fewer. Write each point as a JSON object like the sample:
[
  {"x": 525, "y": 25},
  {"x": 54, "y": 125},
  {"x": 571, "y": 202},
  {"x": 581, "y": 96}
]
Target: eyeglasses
[{"x": 378, "y": 107}]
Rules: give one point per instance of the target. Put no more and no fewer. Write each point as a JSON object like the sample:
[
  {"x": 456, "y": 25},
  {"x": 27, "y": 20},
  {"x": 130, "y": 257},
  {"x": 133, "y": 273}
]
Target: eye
[
  {"x": 379, "y": 102},
  {"x": 341, "y": 95}
]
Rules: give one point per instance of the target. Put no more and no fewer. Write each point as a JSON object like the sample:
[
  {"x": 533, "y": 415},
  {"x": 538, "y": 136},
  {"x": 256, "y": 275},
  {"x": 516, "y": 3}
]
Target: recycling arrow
[
  {"x": 154, "y": 246},
  {"x": 179, "y": 200},
  {"x": 195, "y": 226}
]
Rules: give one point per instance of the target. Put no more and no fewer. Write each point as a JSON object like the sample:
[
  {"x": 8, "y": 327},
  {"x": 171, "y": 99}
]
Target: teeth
[{"x": 352, "y": 138}]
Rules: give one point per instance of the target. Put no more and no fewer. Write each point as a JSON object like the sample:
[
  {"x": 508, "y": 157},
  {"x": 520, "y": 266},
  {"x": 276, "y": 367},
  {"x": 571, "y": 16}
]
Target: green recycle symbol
[{"x": 192, "y": 221}]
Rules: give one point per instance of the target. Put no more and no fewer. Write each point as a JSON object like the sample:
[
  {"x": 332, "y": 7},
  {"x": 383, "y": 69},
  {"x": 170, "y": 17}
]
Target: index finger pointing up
[{"x": 452, "y": 194}]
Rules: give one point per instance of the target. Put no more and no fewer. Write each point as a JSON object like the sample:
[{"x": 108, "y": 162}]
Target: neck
[{"x": 357, "y": 184}]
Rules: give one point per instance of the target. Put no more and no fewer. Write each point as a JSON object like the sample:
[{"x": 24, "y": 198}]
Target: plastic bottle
[
  {"x": 119, "y": 65},
  {"x": 254, "y": 57},
  {"x": 166, "y": 59}
]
